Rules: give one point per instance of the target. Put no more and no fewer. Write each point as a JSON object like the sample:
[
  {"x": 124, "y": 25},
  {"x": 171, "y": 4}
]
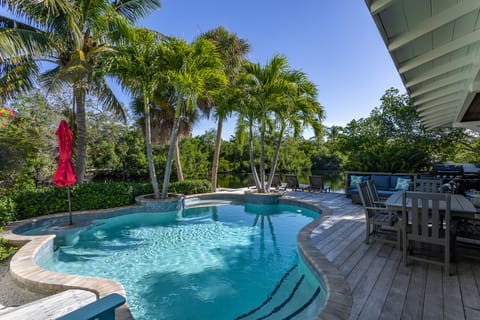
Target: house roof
[{"x": 435, "y": 45}]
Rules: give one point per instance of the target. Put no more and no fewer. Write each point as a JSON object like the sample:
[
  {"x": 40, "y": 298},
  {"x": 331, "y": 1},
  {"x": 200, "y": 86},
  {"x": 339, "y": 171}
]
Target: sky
[{"x": 336, "y": 43}]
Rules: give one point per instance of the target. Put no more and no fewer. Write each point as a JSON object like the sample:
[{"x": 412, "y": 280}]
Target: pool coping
[{"x": 28, "y": 274}]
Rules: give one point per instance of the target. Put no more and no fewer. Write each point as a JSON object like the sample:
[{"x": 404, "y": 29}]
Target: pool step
[{"x": 292, "y": 298}]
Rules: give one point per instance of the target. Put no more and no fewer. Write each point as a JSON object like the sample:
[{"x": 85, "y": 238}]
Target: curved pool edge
[
  {"x": 27, "y": 273},
  {"x": 338, "y": 304}
]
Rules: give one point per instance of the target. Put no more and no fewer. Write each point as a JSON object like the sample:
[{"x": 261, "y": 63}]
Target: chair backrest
[
  {"x": 292, "y": 181},
  {"x": 366, "y": 199},
  {"x": 428, "y": 185},
  {"x": 276, "y": 182},
  {"x": 428, "y": 216},
  {"x": 316, "y": 183},
  {"x": 372, "y": 191}
]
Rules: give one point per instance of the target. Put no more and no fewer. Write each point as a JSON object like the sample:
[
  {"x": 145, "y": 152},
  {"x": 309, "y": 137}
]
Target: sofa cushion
[
  {"x": 403, "y": 184},
  {"x": 355, "y": 180},
  {"x": 394, "y": 180},
  {"x": 381, "y": 182},
  {"x": 385, "y": 193}
]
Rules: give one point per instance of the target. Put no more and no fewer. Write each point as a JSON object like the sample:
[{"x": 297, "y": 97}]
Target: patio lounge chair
[
  {"x": 316, "y": 183},
  {"x": 277, "y": 182},
  {"x": 292, "y": 183}
]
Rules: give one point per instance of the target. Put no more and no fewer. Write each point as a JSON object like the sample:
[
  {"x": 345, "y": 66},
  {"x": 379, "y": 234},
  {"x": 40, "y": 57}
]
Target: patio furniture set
[
  {"x": 422, "y": 223},
  {"x": 316, "y": 183}
]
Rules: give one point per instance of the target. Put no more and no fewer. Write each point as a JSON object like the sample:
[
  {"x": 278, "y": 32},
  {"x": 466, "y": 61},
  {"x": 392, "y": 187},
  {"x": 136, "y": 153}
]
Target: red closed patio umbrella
[{"x": 65, "y": 174}]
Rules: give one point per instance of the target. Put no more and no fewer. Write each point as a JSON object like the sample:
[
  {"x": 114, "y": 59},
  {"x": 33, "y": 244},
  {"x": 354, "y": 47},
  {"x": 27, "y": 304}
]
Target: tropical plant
[
  {"x": 393, "y": 139},
  {"x": 72, "y": 36},
  {"x": 233, "y": 51},
  {"x": 275, "y": 98},
  {"x": 195, "y": 73},
  {"x": 139, "y": 66},
  {"x": 296, "y": 109}
]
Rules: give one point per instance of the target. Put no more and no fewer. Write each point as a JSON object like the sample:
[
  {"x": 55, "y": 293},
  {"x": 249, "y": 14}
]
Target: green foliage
[
  {"x": 191, "y": 187},
  {"x": 7, "y": 210},
  {"x": 394, "y": 139},
  {"x": 6, "y": 251},
  {"x": 89, "y": 196},
  {"x": 195, "y": 158},
  {"x": 93, "y": 196}
]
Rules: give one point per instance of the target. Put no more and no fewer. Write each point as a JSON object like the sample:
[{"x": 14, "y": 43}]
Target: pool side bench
[{"x": 386, "y": 183}]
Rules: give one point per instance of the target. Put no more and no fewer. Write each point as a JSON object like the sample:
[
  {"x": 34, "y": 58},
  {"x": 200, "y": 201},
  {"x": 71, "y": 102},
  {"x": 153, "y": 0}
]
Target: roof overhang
[{"x": 435, "y": 46}]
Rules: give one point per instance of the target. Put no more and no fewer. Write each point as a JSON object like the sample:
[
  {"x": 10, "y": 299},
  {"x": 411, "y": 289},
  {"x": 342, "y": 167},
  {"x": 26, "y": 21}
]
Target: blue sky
[{"x": 335, "y": 42}]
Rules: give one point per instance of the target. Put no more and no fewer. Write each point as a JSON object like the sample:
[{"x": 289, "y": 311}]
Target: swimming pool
[{"x": 235, "y": 261}]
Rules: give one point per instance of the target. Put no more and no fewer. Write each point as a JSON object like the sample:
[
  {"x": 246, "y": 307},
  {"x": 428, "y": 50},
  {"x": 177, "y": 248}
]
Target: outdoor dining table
[{"x": 461, "y": 207}]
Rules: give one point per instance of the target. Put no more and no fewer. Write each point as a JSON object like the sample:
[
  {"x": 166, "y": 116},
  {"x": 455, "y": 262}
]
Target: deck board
[{"x": 382, "y": 286}]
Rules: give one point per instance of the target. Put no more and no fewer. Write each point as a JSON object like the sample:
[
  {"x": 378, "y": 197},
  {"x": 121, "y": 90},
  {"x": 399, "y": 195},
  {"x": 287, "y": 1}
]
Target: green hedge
[
  {"x": 91, "y": 196},
  {"x": 7, "y": 210}
]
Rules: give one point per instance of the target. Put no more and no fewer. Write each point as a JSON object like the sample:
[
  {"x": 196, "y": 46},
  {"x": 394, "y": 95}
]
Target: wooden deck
[{"x": 382, "y": 287}]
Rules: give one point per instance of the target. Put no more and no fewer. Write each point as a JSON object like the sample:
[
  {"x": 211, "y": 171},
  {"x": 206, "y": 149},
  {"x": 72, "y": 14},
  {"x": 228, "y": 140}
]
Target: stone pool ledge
[
  {"x": 25, "y": 271},
  {"x": 339, "y": 301}
]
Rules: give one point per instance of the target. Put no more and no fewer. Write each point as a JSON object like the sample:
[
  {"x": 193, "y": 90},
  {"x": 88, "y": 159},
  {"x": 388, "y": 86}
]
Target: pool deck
[
  {"x": 370, "y": 281},
  {"x": 381, "y": 286}
]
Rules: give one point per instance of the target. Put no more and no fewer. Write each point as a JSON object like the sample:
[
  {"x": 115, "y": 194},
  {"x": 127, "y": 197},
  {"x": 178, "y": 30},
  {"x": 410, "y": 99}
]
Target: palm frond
[
  {"x": 135, "y": 9},
  {"x": 109, "y": 101}
]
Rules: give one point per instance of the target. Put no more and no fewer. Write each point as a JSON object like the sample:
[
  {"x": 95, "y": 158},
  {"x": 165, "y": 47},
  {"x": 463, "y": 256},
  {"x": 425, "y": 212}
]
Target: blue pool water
[{"x": 215, "y": 262}]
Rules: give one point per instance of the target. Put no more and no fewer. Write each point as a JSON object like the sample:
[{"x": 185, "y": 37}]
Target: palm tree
[
  {"x": 162, "y": 116},
  {"x": 195, "y": 72},
  {"x": 233, "y": 51},
  {"x": 297, "y": 108},
  {"x": 264, "y": 86},
  {"x": 276, "y": 98},
  {"x": 139, "y": 66},
  {"x": 71, "y": 36}
]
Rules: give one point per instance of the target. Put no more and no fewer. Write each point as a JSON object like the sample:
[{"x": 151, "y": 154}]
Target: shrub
[
  {"x": 191, "y": 187},
  {"x": 7, "y": 210},
  {"x": 90, "y": 196},
  {"x": 5, "y": 249}
]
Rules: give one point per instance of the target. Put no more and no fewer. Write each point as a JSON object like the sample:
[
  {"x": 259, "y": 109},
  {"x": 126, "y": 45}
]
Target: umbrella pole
[{"x": 69, "y": 206}]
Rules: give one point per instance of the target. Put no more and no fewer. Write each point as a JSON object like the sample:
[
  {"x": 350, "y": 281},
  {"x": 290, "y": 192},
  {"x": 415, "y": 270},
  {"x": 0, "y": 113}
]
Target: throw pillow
[
  {"x": 355, "y": 180},
  {"x": 403, "y": 184}
]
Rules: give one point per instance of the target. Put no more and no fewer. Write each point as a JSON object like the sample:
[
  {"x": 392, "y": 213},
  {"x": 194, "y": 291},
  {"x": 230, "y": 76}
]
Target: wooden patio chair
[
  {"x": 379, "y": 222},
  {"x": 428, "y": 185},
  {"x": 277, "y": 182},
  {"x": 372, "y": 191},
  {"x": 292, "y": 183},
  {"x": 316, "y": 183},
  {"x": 428, "y": 227}
]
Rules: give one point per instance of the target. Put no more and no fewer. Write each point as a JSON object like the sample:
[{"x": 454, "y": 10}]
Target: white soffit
[{"x": 435, "y": 45}]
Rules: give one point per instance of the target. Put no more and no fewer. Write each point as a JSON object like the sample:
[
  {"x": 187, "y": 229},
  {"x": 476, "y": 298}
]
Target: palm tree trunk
[
  {"x": 252, "y": 160},
  {"x": 173, "y": 139},
  {"x": 262, "y": 159},
  {"x": 216, "y": 154},
  {"x": 81, "y": 159},
  {"x": 148, "y": 142},
  {"x": 275, "y": 159},
  {"x": 178, "y": 163}
]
